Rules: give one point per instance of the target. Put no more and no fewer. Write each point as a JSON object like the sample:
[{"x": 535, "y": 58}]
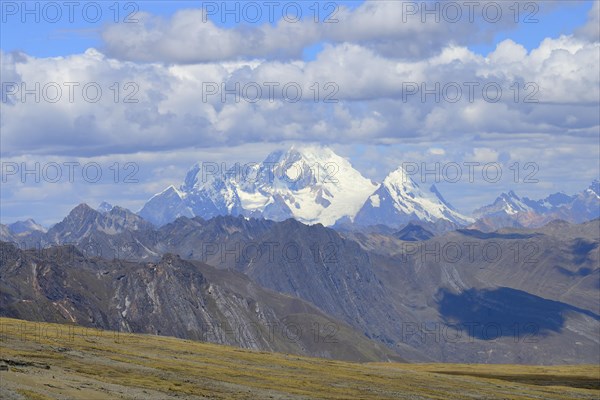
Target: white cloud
[
  {"x": 189, "y": 37},
  {"x": 174, "y": 109},
  {"x": 436, "y": 151}
]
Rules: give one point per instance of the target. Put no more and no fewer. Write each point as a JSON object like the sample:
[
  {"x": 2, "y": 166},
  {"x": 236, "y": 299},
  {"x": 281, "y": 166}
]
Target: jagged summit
[
  {"x": 83, "y": 219},
  {"x": 399, "y": 199},
  {"x": 595, "y": 187},
  {"x": 508, "y": 203}
]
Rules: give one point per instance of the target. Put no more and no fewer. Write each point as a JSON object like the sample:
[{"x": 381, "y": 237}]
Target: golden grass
[{"x": 147, "y": 366}]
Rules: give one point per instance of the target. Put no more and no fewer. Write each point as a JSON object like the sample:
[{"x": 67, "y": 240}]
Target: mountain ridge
[
  {"x": 172, "y": 297},
  {"x": 510, "y": 210}
]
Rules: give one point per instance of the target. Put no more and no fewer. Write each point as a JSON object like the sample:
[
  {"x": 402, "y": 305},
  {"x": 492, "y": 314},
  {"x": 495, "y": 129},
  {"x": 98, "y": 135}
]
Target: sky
[{"x": 114, "y": 101}]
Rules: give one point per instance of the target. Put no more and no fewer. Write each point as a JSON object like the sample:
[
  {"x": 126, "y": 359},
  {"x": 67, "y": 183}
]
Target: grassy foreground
[{"x": 51, "y": 361}]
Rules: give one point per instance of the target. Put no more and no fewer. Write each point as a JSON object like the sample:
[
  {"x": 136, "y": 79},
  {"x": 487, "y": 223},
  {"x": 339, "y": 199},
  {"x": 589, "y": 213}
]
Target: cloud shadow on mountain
[
  {"x": 581, "y": 250},
  {"x": 501, "y": 312}
]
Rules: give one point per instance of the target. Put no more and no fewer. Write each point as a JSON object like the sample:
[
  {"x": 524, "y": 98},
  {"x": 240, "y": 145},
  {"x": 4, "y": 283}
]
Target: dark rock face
[{"x": 389, "y": 294}]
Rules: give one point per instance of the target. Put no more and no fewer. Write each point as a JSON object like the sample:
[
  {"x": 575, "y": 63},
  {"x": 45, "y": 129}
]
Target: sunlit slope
[{"x": 50, "y": 361}]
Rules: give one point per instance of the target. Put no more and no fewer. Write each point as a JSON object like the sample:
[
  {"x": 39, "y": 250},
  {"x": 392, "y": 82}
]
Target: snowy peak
[
  {"x": 308, "y": 183},
  {"x": 507, "y": 203},
  {"x": 313, "y": 185},
  {"x": 165, "y": 207},
  {"x": 399, "y": 200},
  {"x": 193, "y": 179},
  {"x": 301, "y": 167},
  {"x": 594, "y": 188},
  {"x": 172, "y": 191},
  {"x": 399, "y": 181}
]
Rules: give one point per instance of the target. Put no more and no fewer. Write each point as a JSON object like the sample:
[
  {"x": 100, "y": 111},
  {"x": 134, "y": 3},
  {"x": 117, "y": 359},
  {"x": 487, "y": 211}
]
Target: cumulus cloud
[
  {"x": 399, "y": 29},
  {"x": 189, "y": 37},
  {"x": 348, "y": 93}
]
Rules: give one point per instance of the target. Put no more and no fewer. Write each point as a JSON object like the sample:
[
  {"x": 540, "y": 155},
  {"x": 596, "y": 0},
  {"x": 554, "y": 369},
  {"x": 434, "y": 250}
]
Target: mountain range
[
  {"x": 24, "y": 227},
  {"x": 314, "y": 185},
  {"x": 510, "y": 210},
  {"x": 532, "y": 298}
]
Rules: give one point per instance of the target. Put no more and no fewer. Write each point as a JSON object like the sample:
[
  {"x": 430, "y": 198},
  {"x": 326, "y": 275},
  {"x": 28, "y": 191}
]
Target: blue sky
[
  {"x": 48, "y": 39},
  {"x": 68, "y": 37},
  {"x": 168, "y": 55}
]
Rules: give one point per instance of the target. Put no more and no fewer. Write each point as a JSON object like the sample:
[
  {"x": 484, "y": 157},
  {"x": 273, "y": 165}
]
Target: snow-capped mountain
[
  {"x": 399, "y": 200},
  {"x": 314, "y": 185},
  {"x": 310, "y": 184},
  {"x": 507, "y": 203},
  {"x": 586, "y": 205},
  {"x": 511, "y": 210}
]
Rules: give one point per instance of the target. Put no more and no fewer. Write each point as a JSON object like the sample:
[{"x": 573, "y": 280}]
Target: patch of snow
[{"x": 375, "y": 200}]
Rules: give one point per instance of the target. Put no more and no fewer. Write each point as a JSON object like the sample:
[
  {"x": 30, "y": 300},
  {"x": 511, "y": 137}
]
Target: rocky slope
[{"x": 171, "y": 297}]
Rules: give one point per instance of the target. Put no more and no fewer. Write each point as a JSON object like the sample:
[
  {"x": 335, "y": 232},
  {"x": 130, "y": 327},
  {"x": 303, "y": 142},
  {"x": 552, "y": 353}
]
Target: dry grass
[{"x": 98, "y": 364}]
